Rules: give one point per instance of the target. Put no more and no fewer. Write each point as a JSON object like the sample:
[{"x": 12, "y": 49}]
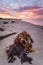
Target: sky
[{"x": 28, "y": 10}]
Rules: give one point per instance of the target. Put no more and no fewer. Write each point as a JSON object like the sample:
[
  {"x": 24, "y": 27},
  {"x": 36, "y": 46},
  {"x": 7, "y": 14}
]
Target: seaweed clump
[{"x": 21, "y": 48}]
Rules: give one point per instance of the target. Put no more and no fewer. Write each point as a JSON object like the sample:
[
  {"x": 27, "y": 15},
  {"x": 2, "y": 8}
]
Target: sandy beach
[{"x": 36, "y": 33}]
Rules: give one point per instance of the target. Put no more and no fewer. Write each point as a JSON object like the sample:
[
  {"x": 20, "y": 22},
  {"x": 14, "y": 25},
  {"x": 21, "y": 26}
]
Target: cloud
[
  {"x": 32, "y": 14},
  {"x": 16, "y": 4}
]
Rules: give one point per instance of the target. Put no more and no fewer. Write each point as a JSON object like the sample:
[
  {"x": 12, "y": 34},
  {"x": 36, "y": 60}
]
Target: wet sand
[{"x": 37, "y": 35}]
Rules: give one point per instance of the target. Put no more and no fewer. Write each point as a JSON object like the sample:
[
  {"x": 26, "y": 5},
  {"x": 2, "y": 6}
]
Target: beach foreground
[{"x": 36, "y": 33}]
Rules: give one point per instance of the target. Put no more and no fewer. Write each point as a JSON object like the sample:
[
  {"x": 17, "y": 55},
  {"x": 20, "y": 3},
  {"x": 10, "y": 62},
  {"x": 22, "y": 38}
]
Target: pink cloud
[{"x": 25, "y": 14}]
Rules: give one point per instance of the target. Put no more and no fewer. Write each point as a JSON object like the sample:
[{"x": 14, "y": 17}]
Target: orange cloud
[{"x": 25, "y": 14}]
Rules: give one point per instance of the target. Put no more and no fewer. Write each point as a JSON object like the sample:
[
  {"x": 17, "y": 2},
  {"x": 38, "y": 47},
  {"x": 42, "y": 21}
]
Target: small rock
[{"x": 1, "y": 29}]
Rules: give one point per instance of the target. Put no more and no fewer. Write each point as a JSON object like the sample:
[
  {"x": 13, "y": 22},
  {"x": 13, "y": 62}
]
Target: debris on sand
[
  {"x": 42, "y": 28},
  {"x": 12, "y": 21},
  {"x": 21, "y": 47},
  {"x": 7, "y": 35},
  {"x": 4, "y": 22},
  {"x": 2, "y": 29}
]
